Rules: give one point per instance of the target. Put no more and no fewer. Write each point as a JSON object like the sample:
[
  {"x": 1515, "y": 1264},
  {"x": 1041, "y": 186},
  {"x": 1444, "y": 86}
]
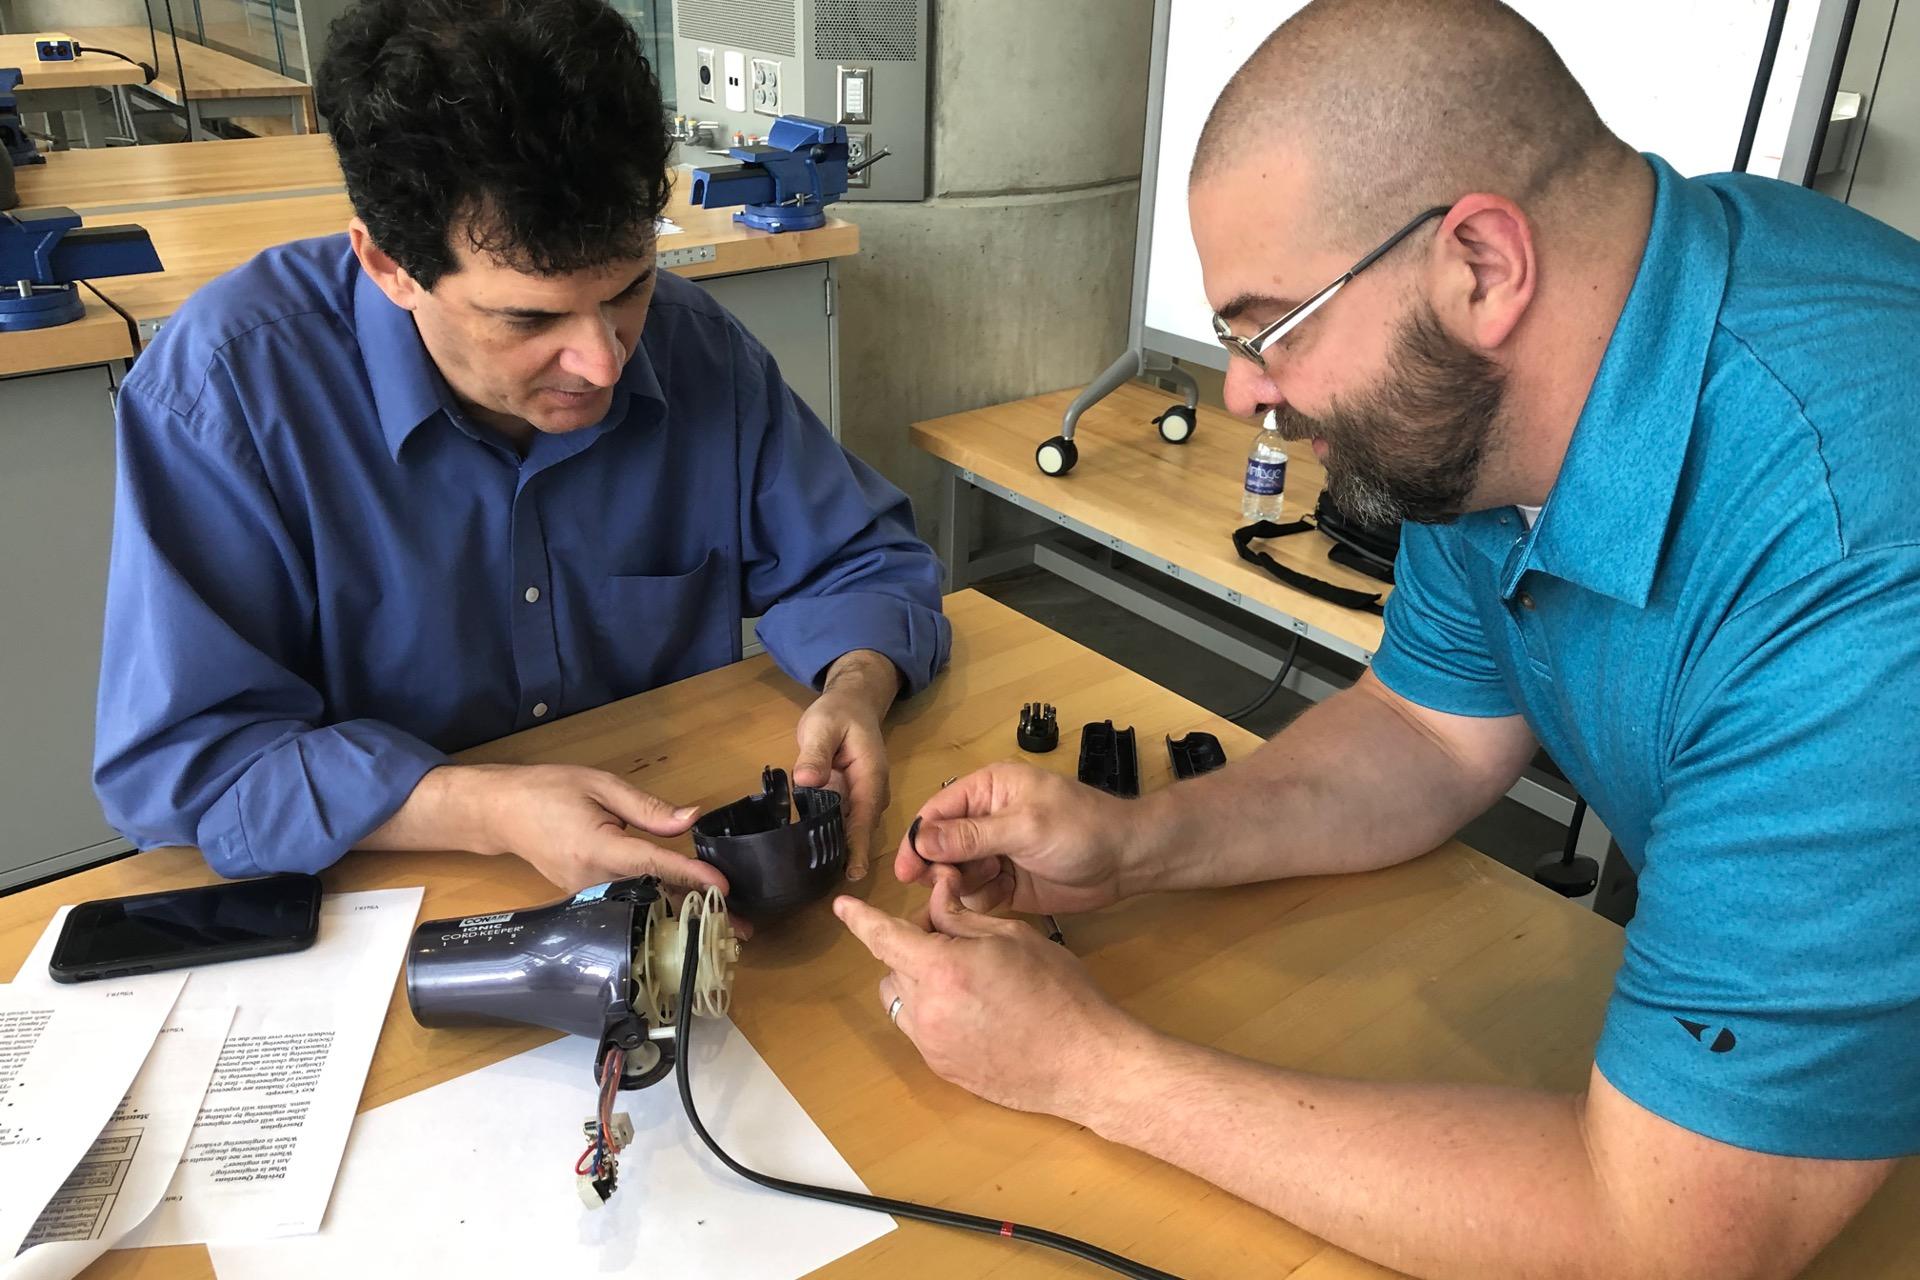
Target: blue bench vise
[
  {"x": 45, "y": 252},
  {"x": 787, "y": 182},
  {"x": 13, "y": 134}
]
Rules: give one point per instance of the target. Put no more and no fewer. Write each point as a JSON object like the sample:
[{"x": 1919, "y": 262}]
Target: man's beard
[{"x": 1411, "y": 448}]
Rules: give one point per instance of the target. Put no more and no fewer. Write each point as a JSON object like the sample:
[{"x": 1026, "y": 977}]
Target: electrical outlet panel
[
  {"x": 734, "y": 63},
  {"x": 705, "y": 73},
  {"x": 859, "y": 147},
  {"x": 766, "y": 86},
  {"x": 854, "y": 94}
]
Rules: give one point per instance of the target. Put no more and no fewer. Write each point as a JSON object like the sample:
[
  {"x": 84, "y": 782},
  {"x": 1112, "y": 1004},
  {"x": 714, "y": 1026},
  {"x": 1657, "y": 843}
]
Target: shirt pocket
[{"x": 653, "y": 629}]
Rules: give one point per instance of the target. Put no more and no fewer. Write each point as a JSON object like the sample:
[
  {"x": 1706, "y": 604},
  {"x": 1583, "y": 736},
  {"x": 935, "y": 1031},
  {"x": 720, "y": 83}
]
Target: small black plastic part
[
  {"x": 1575, "y": 879},
  {"x": 1039, "y": 730},
  {"x": 774, "y": 862},
  {"x": 1109, "y": 759},
  {"x": 1568, "y": 874},
  {"x": 1195, "y": 754}
]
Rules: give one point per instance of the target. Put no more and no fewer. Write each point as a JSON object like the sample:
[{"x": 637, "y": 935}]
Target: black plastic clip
[
  {"x": 1109, "y": 759},
  {"x": 1195, "y": 754}
]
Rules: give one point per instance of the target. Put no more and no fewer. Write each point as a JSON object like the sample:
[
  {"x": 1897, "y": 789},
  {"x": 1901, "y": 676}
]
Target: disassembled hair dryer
[
  {"x": 775, "y": 861},
  {"x": 606, "y": 963},
  {"x": 1109, "y": 760},
  {"x": 1195, "y": 754},
  {"x": 1039, "y": 730}
]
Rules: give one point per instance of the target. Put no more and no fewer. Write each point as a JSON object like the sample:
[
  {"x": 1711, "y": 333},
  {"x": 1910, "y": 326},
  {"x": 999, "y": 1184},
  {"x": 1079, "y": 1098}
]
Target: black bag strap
[{"x": 1346, "y": 597}]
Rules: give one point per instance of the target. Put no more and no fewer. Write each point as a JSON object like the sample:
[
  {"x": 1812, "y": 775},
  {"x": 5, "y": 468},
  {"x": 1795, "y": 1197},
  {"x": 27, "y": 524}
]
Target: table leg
[
  {"x": 956, "y": 526},
  {"x": 123, "y": 111}
]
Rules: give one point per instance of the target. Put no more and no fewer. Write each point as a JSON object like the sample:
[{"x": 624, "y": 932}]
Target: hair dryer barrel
[{"x": 568, "y": 966}]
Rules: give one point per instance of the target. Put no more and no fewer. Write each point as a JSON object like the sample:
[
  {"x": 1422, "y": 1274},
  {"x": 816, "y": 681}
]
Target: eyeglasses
[{"x": 1255, "y": 347}]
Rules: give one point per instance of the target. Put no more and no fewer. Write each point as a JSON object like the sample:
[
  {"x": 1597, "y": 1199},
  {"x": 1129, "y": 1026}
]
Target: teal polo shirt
[{"x": 1714, "y": 628}]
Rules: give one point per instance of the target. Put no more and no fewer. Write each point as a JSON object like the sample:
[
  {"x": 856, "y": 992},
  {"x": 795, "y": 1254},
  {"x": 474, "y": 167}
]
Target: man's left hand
[
  {"x": 992, "y": 1005},
  {"x": 841, "y": 745}
]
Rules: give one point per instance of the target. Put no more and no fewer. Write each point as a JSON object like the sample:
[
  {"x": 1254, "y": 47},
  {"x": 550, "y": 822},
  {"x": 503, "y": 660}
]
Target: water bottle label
[{"x": 1266, "y": 478}]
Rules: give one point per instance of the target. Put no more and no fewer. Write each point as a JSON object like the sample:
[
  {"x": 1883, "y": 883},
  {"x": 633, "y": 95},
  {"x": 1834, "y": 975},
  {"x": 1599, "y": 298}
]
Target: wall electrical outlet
[
  {"x": 705, "y": 57},
  {"x": 859, "y": 147},
  {"x": 766, "y": 86},
  {"x": 854, "y": 90},
  {"x": 734, "y": 63}
]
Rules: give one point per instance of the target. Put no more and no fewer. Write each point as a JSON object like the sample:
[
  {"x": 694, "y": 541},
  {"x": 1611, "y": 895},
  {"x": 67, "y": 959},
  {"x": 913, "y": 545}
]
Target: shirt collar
[
  {"x": 408, "y": 389},
  {"x": 1605, "y": 521}
]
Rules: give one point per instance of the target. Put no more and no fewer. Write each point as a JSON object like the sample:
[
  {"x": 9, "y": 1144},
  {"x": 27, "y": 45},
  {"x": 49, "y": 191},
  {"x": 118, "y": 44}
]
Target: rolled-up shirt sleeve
[
  {"x": 1435, "y": 652},
  {"x": 832, "y": 559},
  {"x": 206, "y": 733}
]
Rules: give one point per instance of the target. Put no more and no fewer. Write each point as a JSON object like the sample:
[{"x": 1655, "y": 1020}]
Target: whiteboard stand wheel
[
  {"x": 1056, "y": 457},
  {"x": 1176, "y": 424}
]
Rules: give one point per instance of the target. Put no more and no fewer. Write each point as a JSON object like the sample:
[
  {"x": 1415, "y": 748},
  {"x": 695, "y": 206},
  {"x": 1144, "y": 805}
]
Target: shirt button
[
  {"x": 1526, "y": 600},
  {"x": 533, "y": 595},
  {"x": 539, "y": 709}
]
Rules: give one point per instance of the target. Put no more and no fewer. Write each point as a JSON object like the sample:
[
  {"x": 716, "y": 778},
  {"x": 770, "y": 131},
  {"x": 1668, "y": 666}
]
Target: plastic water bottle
[{"x": 1266, "y": 474}]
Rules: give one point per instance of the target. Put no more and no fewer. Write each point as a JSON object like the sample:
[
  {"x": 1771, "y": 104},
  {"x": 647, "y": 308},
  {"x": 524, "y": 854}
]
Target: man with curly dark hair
[{"x": 472, "y": 466}]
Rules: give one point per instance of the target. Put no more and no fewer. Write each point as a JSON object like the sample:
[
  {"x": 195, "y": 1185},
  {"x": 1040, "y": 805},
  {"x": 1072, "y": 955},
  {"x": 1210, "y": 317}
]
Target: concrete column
[{"x": 1014, "y": 277}]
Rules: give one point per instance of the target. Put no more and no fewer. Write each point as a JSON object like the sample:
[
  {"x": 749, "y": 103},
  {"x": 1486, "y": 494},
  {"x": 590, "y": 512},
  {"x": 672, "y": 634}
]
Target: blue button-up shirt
[
  {"x": 325, "y": 576},
  {"x": 1714, "y": 627}
]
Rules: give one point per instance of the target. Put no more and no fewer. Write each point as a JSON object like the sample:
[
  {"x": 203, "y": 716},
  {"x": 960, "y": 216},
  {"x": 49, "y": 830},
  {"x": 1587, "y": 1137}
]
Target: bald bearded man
[{"x": 1660, "y": 438}]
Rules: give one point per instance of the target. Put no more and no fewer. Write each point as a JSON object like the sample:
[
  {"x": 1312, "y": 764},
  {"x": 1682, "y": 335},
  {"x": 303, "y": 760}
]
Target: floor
[{"x": 1511, "y": 833}]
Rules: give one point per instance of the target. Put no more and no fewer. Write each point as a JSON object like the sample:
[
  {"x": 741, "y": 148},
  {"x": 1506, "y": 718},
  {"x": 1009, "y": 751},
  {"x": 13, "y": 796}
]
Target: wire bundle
[
  {"x": 600, "y": 1160},
  {"x": 902, "y": 1208}
]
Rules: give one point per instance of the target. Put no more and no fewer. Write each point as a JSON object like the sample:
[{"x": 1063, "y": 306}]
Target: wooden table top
[
  {"x": 96, "y": 338},
  {"x": 122, "y": 180},
  {"x": 89, "y": 70},
  {"x": 1178, "y": 502},
  {"x": 209, "y": 73},
  {"x": 1450, "y": 967},
  {"x": 201, "y": 242},
  {"x": 198, "y": 243}
]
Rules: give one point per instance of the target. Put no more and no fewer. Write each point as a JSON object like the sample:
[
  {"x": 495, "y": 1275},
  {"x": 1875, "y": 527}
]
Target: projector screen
[{"x": 1669, "y": 76}]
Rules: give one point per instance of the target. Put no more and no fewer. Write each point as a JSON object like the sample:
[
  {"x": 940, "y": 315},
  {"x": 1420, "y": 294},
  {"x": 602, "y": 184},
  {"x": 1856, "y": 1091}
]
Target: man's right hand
[
  {"x": 569, "y": 822},
  {"x": 1026, "y": 840}
]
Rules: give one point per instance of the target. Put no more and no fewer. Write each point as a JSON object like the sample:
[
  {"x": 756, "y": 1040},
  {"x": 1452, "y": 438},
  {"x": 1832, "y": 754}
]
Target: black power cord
[
  {"x": 179, "y": 67},
  {"x": 1266, "y": 695},
  {"x": 1873, "y": 96},
  {"x": 689, "y": 968},
  {"x": 146, "y": 69},
  {"x": 1756, "y": 103}
]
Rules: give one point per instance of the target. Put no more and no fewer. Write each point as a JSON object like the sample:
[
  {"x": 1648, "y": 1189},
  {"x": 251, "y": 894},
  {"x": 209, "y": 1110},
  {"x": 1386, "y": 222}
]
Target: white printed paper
[
  {"x": 267, "y": 1143},
  {"x": 122, "y": 1176},
  {"x": 475, "y": 1178},
  {"x": 67, "y": 1055}
]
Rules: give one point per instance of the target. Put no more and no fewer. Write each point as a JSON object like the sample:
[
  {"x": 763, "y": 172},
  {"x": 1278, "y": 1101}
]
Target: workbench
[
  {"x": 56, "y": 419},
  {"x": 207, "y": 84},
  {"x": 89, "y": 71},
  {"x": 1170, "y": 511},
  {"x": 126, "y": 180},
  {"x": 1448, "y": 968},
  {"x": 60, "y": 88}
]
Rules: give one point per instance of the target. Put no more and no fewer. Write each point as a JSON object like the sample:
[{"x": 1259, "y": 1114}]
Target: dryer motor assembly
[{"x": 606, "y": 963}]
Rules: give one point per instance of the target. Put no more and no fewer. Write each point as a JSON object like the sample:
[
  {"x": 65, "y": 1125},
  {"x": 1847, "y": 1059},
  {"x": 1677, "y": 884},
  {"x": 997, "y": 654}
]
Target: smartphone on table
[{"x": 182, "y": 928}]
